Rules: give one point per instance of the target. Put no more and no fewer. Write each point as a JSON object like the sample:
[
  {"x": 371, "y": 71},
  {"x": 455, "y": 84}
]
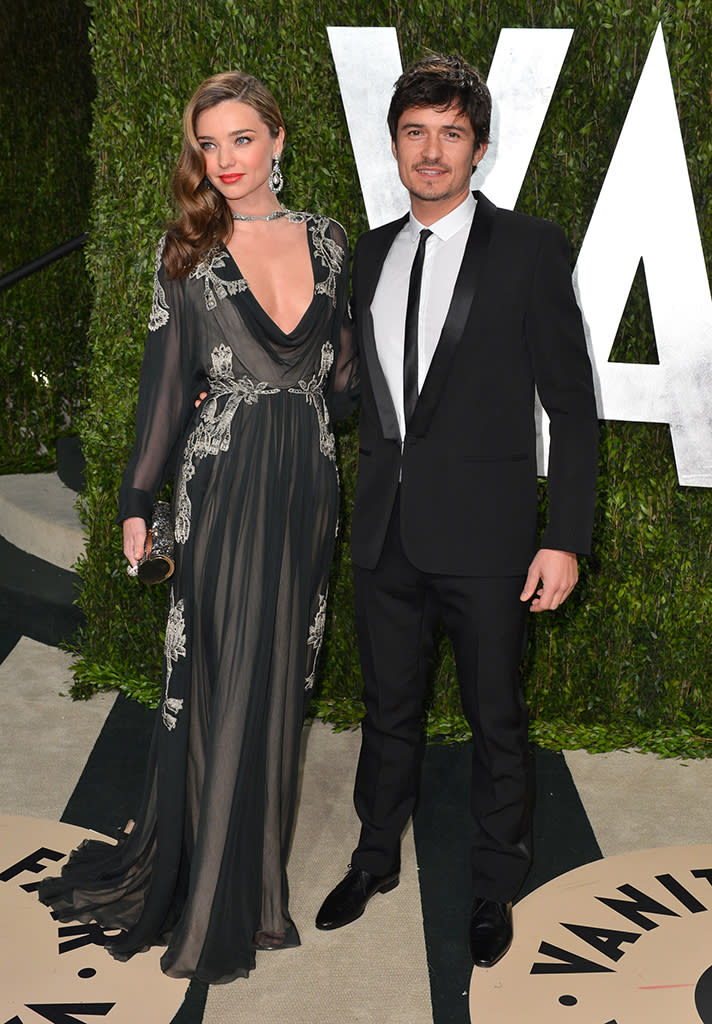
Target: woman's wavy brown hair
[{"x": 205, "y": 219}]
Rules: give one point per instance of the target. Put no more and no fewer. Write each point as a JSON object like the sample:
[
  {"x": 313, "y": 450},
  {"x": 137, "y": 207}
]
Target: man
[{"x": 455, "y": 327}]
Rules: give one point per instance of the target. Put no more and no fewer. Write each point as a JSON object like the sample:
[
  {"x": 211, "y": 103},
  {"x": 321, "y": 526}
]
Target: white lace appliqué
[
  {"x": 214, "y": 288},
  {"x": 330, "y": 255},
  {"x": 211, "y": 434},
  {"x": 160, "y": 312},
  {"x": 313, "y": 391},
  {"x": 173, "y": 649},
  {"x": 315, "y": 638}
]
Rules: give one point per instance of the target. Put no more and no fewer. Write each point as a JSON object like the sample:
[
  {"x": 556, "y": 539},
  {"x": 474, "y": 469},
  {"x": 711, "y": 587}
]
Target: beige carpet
[
  {"x": 45, "y": 736},
  {"x": 637, "y": 801},
  {"x": 375, "y": 970}
]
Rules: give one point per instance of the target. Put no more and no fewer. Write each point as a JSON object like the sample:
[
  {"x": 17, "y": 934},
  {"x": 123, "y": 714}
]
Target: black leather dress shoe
[
  {"x": 490, "y": 931},
  {"x": 348, "y": 900}
]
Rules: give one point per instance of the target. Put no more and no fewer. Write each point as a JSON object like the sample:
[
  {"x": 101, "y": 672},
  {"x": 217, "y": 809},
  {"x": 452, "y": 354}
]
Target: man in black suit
[{"x": 460, "y": 310}]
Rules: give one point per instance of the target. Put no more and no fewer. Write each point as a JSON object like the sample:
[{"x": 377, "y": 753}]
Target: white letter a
[{"x": 646, "y": 210}]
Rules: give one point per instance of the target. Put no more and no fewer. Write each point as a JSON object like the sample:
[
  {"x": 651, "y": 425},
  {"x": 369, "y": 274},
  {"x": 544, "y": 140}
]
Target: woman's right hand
[{"x": 134, "y": 539}]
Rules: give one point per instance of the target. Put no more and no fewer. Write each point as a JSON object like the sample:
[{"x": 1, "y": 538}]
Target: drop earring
[{"x": 276, "y": 180}]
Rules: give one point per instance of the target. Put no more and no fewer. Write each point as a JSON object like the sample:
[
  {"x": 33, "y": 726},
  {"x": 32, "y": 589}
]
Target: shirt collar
[{"x": 448, "y": 225}]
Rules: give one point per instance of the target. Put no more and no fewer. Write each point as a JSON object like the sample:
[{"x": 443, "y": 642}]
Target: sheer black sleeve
[
  {"x": 344, "y": 391},
  {"x": 164, "y": 399}
]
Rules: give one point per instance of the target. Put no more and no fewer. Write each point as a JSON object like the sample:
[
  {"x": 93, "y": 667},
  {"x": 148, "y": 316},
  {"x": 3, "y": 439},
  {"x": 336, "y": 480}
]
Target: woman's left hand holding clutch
[{"x": 134, "y": 542}]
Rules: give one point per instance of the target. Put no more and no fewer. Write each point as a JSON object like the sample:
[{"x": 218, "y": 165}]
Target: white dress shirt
[{"x": 443, "y": 256}]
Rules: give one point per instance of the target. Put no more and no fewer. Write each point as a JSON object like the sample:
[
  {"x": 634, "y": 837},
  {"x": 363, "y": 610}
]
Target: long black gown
[{"x": 255, "y": 507}]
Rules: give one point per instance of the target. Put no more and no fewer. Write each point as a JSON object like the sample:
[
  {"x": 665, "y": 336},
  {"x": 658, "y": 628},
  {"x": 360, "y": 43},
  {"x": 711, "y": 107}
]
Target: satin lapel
[
  {"x": 468, "y": 280},
  {"x": 371, "y": 259}
]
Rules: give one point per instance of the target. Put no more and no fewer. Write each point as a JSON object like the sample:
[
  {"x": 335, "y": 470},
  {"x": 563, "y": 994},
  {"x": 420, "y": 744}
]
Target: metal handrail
[{"x": 42, "y": 261}]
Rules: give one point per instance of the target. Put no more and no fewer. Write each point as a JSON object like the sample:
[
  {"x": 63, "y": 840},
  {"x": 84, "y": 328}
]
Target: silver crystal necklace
[{"x": 267, "y": 216}]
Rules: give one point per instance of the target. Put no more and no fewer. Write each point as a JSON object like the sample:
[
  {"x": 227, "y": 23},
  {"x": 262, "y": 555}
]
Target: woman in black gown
[{"x": 251, "y": 298}]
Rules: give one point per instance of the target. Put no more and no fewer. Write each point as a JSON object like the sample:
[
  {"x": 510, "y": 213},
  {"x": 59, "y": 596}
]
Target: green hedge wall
[
  {"x": 46, "y": 88},
  {"x": 627, "y": 659}
]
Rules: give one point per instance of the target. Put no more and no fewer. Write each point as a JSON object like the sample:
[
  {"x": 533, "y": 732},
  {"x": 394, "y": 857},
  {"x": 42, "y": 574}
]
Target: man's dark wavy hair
[{"x": 441, "y": 82}]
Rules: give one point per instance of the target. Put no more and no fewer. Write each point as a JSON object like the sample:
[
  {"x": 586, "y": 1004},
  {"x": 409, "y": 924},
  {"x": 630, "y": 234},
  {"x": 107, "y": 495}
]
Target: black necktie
[{"x": 410, "y": 351}]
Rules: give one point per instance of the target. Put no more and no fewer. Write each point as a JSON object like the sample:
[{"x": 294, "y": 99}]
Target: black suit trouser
[{"x": 397, "y": 609}]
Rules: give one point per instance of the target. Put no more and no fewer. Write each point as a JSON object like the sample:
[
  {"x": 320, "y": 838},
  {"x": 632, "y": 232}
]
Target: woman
[{"x": 250, "y": 297}]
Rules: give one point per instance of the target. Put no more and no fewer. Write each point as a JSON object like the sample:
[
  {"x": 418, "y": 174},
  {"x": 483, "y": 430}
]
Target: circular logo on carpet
[
  {"x": 61, "y": 973},
  {"x": 619, "y": 941}
]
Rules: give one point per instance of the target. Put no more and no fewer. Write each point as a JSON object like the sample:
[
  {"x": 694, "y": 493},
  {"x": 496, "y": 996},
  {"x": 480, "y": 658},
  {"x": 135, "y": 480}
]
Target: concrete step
[{"x": 38, "y": 515}]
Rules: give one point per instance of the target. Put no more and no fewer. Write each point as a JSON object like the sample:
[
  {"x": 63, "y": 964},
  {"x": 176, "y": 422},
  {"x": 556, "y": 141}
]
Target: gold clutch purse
[{"x": 158, "y": 562}]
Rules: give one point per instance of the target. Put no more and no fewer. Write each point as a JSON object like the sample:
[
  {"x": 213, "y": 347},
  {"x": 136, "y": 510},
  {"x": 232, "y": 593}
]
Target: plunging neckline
[{"x": 260, "y": 307}]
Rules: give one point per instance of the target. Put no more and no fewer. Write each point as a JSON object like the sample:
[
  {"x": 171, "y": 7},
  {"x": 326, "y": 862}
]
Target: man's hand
[
  {"x": 558, "y": 572},
  {"x": 201, "y": 398}
]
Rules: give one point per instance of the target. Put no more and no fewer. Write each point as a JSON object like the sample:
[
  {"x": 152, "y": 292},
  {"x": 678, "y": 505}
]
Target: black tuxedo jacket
[{"x": 467, "y": 469}]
